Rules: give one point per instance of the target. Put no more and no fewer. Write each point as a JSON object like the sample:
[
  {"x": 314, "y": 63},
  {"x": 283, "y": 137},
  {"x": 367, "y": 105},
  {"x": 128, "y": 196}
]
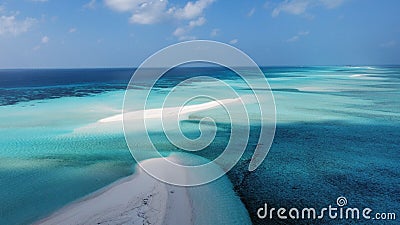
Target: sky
[{"x": 123, "y": 33}]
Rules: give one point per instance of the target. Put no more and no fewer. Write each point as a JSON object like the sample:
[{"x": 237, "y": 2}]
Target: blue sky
[{"x": 123, "y": 33}]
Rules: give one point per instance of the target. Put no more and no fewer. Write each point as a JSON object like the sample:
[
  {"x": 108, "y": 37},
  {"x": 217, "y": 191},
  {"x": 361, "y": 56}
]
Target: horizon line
[{"x": 135, "y": 67}]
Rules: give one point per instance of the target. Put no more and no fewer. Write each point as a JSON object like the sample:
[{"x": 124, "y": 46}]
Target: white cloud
[
  {"x": 143, "y": 11},
  {"x": 295, "y": 7},
  {"x": 153, "y": 11},
  {"x": 297, "y": 36},
  {"x": 179, "y": 31},
  {"x": 251, "y": 12},
  {"x": 90, "y": 5},
  {"x": 196, "y": 23},
  {"x": 45, "y": 39},
  {"x": 149, "y": 12},
  {"x": 214, "y": 32},
  {"x": 72, "y": 30},
  {"x": 293, "y": 39},
  {"x": 300, "y": 7},
  {"x": 304, "y": 33},
  {"x": 182, "y": 32},
  {"x": 124, "y": 5},
  {"x": 121, "y": 5},
  {"x": 186, "y": 38},
  {"x": 234, "y": 41},
  {"x": 11, "y": 25},
  {"x": 193, "y": 9},
  {"x": 190, "y": 12}
]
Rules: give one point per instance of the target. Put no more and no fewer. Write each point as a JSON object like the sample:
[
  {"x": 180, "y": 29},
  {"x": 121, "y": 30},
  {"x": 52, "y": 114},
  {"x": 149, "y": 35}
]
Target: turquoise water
[
  {"x": 43, "y": 166},
  {"x": 337, "y": 135}
]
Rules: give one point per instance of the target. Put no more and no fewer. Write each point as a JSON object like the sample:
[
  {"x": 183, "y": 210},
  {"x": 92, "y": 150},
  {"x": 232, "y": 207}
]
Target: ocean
[{"x": 337, "y": 135}]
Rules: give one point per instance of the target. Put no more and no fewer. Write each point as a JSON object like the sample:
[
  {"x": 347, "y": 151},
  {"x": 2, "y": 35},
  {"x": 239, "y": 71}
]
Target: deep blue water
[
  {"x": 19, "y": 85},
  {"x": 26, "y": 85}
]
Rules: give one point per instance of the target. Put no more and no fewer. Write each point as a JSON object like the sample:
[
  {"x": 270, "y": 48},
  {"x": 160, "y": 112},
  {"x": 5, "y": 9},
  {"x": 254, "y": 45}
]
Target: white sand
[
  {"x": 138, "y": 199},
  {"x": 358, "y": 75},
  {"x": 169, "y": 111},
  {"x": 141, "y": 199},
  {"x": 154, "y": 117}
]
